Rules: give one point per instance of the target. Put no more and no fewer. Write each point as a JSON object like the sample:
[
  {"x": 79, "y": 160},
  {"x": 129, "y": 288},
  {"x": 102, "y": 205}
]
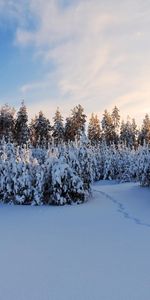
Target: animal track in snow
[{"x": 121, "y": 209}]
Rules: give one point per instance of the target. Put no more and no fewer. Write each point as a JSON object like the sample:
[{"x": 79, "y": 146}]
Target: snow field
[{"x": 90, "y": 251}]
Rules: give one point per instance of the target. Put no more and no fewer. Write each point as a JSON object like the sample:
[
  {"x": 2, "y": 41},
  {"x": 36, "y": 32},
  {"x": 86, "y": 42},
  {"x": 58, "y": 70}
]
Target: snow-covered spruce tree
[
  {"x": 97, "y": 162},
  {"x": 3, "y": 170},
  {"x": 99, "y": 156},
  {"x": 29, "y": 179},
  {"x": 116, "y": 124},
  {"x": 23, "y": 183},
  {"x": 110, "y": 165},
  {"x": 144, "y": 134},
  {"x": 21, "y": 131},
  {"x": 126, "y": 163},
  {"x": 66, "y": 186},
  {"x": 114, "y": 162},
  {"x": 143, "y": 165},
  {"x": 40, "y": 131},
  {"x": 128, "y": 133},
  {"x": 38, "y": 173},
  {"x": 7, "y": 172},
  {"x": 17, "y": 176},
  {"x": 71, "y": 157},
  {"x": 85, "y": 161},
  {"x": 7, "y": 122},
  {"x": 19, "y": 182},
  {"x": 58, "y": 128},
  {"x": 78, "y": 121}
]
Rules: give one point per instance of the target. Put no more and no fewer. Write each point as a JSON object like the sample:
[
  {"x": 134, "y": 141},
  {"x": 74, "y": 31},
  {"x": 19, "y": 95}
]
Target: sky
[{"x": 59, "y": 53}]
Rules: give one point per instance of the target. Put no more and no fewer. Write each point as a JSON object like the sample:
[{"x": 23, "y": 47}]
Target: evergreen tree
[
  {"x": 144, "y": 135},
  {"x": 78, "y": 121},
  {"x": 143, "y": 165},
  {"x": 134, "y": 133},
  {"x": 94, "y": 130},
  {"x": 116, "y": 123},
  {"x": 21, "y": 126},
  {"x": 128, "y": 133},
  {"x": 40, "y": 131},
  {"x": 67, "y": 186},
  {"x": 69, "y": 133},
  {"x": 108, "y": 128},
  {"x": 58, "y": 128},
  {"x": 7, "y": 122},
  {"x": 75, "y": 124},
  {"x": 115, "y": 118}
]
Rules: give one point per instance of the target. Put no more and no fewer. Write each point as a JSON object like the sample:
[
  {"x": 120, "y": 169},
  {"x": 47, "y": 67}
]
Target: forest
[{"x": 56, "y": 163}]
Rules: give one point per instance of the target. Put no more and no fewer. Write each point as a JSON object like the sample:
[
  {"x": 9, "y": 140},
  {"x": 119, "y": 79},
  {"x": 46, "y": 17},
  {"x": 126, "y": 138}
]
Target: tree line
[
  {"x": 63, "y": 175},
  {"x": 40, "y": 132}
]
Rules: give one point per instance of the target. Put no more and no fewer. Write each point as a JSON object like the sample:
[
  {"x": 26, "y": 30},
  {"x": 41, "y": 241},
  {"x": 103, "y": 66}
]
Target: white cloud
[
  {"x": 136, "y": 102},
  {"x": 100, "y": 50},
  {"x": 27, "y": 88}
]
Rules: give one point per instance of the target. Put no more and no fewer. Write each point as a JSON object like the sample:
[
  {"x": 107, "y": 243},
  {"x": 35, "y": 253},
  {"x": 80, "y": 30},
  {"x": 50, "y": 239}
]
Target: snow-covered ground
[{"x": 99, "y": 250}]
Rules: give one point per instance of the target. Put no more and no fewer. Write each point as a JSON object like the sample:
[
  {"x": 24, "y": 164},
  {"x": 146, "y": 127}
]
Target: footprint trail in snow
[{"x": 121, "y": 209}]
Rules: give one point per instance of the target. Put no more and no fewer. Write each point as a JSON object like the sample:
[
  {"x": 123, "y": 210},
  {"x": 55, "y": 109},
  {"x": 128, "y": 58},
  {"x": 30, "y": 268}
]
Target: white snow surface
[{"x": 99, "y": 250}]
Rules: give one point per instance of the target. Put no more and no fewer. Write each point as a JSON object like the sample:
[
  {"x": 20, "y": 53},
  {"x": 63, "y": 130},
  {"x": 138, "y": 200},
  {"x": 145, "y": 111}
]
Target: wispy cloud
[
  {"x": 99, "y": 51},
  {"x": 27, "y": 88}
]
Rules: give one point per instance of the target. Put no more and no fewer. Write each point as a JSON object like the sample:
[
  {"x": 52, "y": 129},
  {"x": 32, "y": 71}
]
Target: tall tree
[
  {"x": 78, "y": 121},
  {"x": 108, "y": 128},
  {"x": 69, "y": 132},
  {"x": 7, "y": 122},
  {"x": 40, "y": 131},
  {"x": 116, "y": 123},
  {"x": 21, "y": 126},
  {"x": 94, "y": 130},
  {"x": 144, "y": 135},
  {"x": 58, "y": 128},
  {"x": 128, "y": 133},
  {"x": 134, "y": 133},
  {"x": 75, "y": 124}
]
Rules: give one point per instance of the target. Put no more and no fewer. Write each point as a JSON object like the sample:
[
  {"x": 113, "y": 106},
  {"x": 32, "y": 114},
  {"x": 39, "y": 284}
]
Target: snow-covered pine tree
[
  {"x": 23, "y": 181},
  {"x": 85, "y": 160},
  {"x": 110, "y": 170},
  {"x": 128, "y": 133},
  {"x": 108, "y": 132},
  {"x": 144, "y": 135},
  {"x": 134, "y": 133},
  {"x": 7, "y": 122},
  {"x": 40, "y": 131},
  {"x": 125, "y": 163},
  {"x": 71, "y": 157},
  {"x": 38, "y": 186},
  {"x": 78, "y": 121},
  {"x": 58, "y": 128},
  {"x": 21, "y": 132},
  {"x": 7, "y": 169},
  {"x": 116, "y": 124},
  {"x": 143, "y": 165}
]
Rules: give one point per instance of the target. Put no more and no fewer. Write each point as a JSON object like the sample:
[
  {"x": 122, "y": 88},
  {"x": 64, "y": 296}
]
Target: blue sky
[{"x": 64, "y": 52}]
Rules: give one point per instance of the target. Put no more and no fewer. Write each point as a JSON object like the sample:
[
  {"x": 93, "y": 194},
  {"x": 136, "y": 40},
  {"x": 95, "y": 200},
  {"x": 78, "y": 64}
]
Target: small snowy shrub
[{"x": 67, "y": 186}]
